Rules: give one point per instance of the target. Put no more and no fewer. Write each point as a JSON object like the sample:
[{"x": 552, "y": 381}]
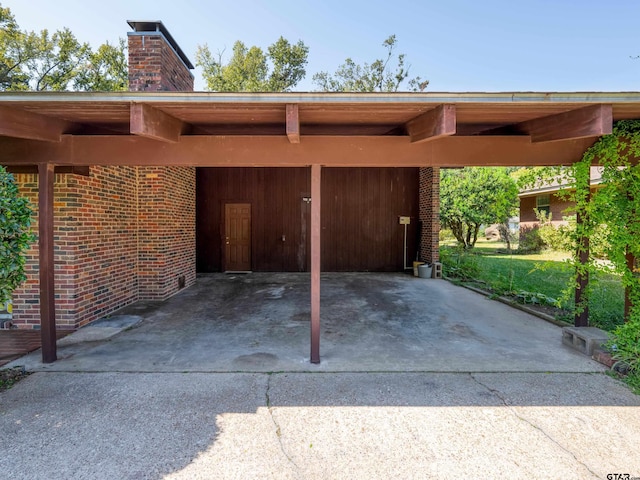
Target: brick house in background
[{"x": 544, "y": 198}]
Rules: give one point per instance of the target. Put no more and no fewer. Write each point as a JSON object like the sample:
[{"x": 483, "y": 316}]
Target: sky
[{"x": 458, "y": 45}]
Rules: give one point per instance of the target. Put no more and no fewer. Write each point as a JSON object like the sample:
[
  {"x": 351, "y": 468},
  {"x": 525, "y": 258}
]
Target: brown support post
[
  {"x": 631, "y": 263},
  {"x": 315, "y": 263},
  {"x": 581, "y": 318},
  {"x": 46, "y": 174}
]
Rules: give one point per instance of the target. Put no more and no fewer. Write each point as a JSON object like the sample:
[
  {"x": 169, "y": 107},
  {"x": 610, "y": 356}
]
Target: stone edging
[{"x": 519, "y": 306}]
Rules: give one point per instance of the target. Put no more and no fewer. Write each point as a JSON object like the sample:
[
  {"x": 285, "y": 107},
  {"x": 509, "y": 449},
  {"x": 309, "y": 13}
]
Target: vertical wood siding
[{"x": 360, "y": 210}]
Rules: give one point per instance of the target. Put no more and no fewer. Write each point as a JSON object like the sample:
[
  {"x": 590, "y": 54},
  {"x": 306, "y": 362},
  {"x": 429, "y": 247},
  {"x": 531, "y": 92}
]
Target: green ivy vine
[{"x": 616, "y": 204}]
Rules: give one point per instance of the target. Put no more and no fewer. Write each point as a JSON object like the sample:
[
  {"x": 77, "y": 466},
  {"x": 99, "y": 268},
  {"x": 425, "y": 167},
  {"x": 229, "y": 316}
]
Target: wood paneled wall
[{"x": 360, "y": 210}]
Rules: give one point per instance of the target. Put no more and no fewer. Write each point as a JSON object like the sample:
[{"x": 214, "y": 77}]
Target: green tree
[
  {"x": 56, "y": 61},
  {"x": 377, "y": 76},
  {"x": 106, "y": 70},
  {"x": 253, "y": 70},
  {"x": 535, "y": 177},
  {"x": 473, "y": 196},
  {"x": 14, "y": 52},
  {"x": 15, "y": 236}
]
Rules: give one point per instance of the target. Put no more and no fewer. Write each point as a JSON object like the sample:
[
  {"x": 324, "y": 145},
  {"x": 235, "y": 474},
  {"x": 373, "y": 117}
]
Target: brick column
[
  {"x": 430, "y": 214},
  {"x": 167, "y": 230},
  {"x": 166, "y": 195}
]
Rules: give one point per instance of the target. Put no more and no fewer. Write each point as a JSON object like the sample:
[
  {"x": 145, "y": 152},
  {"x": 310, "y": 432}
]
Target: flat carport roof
[{"x": 71, "y": 131}]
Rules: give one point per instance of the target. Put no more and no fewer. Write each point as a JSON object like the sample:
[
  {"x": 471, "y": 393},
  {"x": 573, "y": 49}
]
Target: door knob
[{"x": 283, "y": 238}]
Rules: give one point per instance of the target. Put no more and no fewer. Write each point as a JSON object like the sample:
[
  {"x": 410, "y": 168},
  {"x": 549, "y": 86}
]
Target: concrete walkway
[{"x": 448, "y": 385}]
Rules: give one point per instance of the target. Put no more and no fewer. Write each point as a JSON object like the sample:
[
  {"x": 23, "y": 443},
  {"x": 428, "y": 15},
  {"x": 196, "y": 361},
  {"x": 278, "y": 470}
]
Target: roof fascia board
[{"x": 325, "y": 98}]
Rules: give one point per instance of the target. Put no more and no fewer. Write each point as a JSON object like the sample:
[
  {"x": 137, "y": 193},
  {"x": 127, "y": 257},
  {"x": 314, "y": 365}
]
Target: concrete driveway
[
  {"x": 369, "y": 322},
  {"x": 419, "y": 379}
]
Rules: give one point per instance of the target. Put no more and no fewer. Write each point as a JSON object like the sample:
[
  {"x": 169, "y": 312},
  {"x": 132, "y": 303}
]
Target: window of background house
[{"x": 542, "y": 203}]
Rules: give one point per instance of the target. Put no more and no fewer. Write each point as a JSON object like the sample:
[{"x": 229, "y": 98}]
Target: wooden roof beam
[
  {"x": 277, "y": 151},
  {"x": 147, "y": 121},
  {"x": 585, "y": 122},
  {"x": 436, "y": 123},
  {"x": 18, "y": 123},
  {"x": 33, "y": 169},
  {"x": 293, "y": 123}
]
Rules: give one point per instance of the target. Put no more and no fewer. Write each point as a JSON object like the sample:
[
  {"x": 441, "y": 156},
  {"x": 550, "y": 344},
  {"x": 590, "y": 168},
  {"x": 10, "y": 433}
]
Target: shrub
[
  {"x": 530, "y": 241},
  {"x": 15, "y": 236},
  {"x": 446, "y": 235},
  {"x": 558, "y": 238},
  {"x": 625, "y": 347},
  {"x": 459, "y": 263}
]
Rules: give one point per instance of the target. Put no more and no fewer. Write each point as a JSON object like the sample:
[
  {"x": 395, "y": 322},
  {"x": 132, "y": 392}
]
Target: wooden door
[{"x": 237, "y": 231}]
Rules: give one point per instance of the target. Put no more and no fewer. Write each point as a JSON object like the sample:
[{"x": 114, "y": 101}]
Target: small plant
[
  {"x": 10, "y": 376},
  {"x": 625, "y": 348},
  {"x": 534, "y": 298},
  {"x": 459, "y": 263}
]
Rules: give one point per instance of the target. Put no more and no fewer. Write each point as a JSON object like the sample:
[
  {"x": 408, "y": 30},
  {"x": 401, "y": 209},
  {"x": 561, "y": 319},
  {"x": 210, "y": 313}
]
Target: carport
[{"x": 49, "y": 133}]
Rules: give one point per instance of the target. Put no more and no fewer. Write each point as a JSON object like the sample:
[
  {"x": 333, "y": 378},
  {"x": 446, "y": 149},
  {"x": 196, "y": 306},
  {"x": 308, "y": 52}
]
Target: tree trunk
[
  {"x": 468, "y": 243},
  {"x": 505, "y": 234},
  {"x": 476, "y": 229},
  {"x": 458, "y": 231}
]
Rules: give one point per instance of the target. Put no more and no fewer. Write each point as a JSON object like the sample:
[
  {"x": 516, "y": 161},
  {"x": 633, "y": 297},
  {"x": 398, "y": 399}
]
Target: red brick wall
[
  {"x": 558, "y": 207},
  {"x": 122, "y": 234},
  {"x": 430, "y": 214},
  {"x": 95, "y": 246},
  {"x": 155, "y": 66},
  {"x": 167, "y": 226}
]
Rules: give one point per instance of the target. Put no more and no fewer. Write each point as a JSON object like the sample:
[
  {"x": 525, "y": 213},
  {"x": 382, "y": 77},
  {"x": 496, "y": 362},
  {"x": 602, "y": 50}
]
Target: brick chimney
[{"x": 156, "y": 62}]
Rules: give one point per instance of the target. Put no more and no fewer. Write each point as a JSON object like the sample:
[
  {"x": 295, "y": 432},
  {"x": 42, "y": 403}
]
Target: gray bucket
[{"x": 424, "y": 271}]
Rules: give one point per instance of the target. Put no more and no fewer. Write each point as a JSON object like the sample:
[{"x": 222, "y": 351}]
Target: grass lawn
[{"x": 545, "y": 273}]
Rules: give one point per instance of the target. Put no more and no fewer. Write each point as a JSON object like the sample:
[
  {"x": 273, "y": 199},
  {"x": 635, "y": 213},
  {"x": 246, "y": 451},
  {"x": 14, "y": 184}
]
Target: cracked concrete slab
[
  {"x": 317, "y": 425},
  {"x": 369, "y": 322},
  {"x": 419, "y": 379}
]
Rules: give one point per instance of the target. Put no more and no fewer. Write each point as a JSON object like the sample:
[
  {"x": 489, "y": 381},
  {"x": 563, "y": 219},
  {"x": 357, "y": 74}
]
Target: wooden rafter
[
  {"x": 585, "y": 122},
  {"x": 147, "y": 121},
  {"x": 436, "y": 123},
  {"x": 274, "y": 151},
  {"x": 22, "y": 169},
  {"x": 293, "y": 123},
  {"x": 19, "y": 123}
]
